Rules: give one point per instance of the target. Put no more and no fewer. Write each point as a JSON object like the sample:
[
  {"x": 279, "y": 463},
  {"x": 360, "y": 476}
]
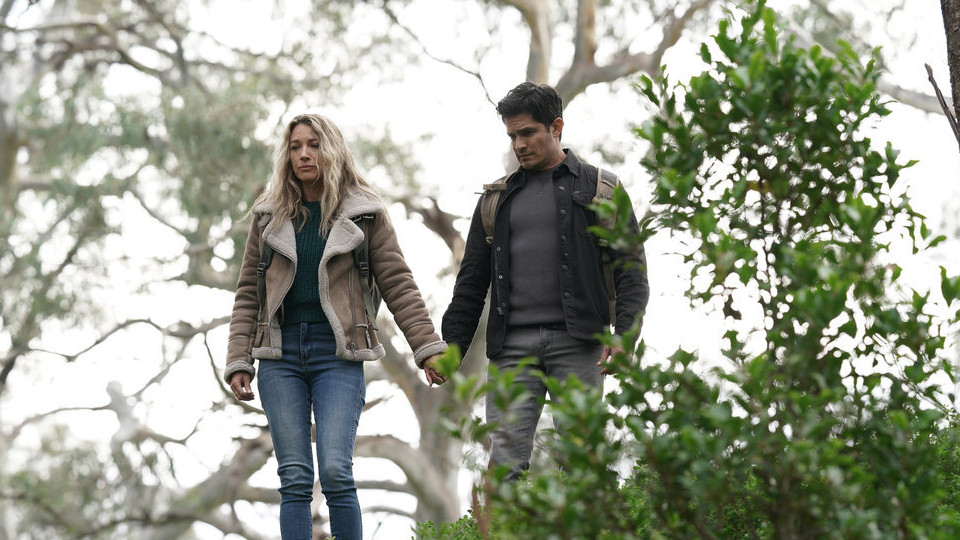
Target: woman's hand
[
  {"x": 240, "y": 384},
  {"x": 431, "y": 366}
]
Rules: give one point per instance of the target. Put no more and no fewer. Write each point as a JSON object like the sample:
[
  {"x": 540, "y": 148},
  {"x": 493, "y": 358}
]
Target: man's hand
[
  {"x": 605, "y": 356},
  {"x": 431, "y": 366},
  {"x": 240, "y": 384}
]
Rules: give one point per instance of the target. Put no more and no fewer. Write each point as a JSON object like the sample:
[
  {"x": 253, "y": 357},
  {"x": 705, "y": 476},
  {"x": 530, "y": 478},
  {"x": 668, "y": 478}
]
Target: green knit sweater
[{"x": 302, "y": 303}]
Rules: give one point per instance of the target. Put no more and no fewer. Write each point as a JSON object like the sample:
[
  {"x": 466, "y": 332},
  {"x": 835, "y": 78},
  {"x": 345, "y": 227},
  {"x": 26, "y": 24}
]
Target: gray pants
[{"x": 557, "y": 355}]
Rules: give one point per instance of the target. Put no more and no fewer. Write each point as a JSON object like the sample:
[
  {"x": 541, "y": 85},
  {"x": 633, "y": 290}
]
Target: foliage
[
  {"x": 828, "y": 415},
  {"x": 464, "y": 528},
  {"x": 77, "y": 513}
]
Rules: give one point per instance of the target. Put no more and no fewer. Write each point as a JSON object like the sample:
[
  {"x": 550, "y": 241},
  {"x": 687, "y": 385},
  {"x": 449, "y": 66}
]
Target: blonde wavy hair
[{"x": 339, "y": 174}]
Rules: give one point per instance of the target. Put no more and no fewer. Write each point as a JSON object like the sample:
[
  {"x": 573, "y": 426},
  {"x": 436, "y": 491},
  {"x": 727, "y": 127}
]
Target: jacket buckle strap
[{"x": 366, "y": 333}]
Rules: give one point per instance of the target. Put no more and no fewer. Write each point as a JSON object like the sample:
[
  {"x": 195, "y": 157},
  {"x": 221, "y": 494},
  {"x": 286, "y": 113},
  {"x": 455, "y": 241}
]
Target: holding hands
[
  {"x": 440, "y": 367},
  {"x": 431, "y": 367}
]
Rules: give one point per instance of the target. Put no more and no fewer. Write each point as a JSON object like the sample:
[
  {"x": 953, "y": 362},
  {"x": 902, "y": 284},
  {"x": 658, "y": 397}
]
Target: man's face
[{"x": 536, "y": 146}]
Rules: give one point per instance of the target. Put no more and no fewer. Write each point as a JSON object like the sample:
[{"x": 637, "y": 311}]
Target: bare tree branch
[
  {"x": 385, "y": 485},
  {"x": 439, "y": 222},
  {"x": 918, "y": 100},
  {"x": 227, "y": 484},
  {"x": 391, "y": 14},
  {"x": 15, "y": 432},
  {"x": 943, "y": 104},
  {"x": 421, "y": 474},
  {"x": 675, "y": 26},
  {"x": 29, "y": 324},
  {"x": 584, "y": 71},
  {"x": 227, "y": 524},
  {"x": 950, "y": 10},
  {"x": 228, "y": 397},
  {"x": 103, "y": 36},
  {"x": 393, "y": 511}
]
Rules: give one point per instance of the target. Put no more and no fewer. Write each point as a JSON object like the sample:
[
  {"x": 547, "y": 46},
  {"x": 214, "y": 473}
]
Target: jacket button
[
  {"x": 566, "y": 294},
  {"x": 563, "y": 211},
  {"x": 500, "y": 276},
  {"x": 561, "y": 188}
]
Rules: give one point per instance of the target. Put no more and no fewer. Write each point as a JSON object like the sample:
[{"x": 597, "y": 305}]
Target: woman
[{"x": 311, "y": 346}]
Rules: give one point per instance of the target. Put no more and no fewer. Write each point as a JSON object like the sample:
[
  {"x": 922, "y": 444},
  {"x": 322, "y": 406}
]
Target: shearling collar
[
  {"x": 343, "y": 237},
  {"x": 355, "y": 203}
]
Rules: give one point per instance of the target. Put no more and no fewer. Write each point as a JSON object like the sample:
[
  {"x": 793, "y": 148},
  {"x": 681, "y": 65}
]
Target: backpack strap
[
  {"x": 266, "y": 257},
  {"x": 361, "y": 258},
  {"x": 606, "y": 183},
  {"x": 488, "y": 205}
]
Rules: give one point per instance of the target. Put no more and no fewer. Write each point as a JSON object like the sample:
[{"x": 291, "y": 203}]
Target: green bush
[
  {"x": 464, "y": 528},
  {"x": 825, "y": 418}
]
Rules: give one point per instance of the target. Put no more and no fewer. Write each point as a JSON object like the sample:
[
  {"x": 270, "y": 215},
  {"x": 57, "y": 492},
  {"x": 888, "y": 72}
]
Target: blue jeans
[
  {"x": 557, "y": 355},
  {"x": 309, "y": 375}
]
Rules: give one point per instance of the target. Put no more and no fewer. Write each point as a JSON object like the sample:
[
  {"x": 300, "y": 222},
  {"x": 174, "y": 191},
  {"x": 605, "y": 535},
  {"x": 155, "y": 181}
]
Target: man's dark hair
[{"x": 540, "y": 100}]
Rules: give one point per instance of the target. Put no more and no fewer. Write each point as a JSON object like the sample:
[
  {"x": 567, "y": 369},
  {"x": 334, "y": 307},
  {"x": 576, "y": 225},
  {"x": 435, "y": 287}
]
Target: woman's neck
[{"x": 312, "y": 192}]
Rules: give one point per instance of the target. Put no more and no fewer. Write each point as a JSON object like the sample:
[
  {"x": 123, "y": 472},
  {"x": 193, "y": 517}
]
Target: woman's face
[{"x": 305, "y": 153}]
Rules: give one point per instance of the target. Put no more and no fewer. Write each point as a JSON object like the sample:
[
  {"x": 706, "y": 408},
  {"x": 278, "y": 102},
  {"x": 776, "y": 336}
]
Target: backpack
[
  {"x": 606, "y": 182},
  {"x": 371, "y": 294}
]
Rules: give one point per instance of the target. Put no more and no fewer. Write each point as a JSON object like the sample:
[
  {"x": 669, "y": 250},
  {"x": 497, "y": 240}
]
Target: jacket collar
[
  {"x": 355, "y": 203},
  {"x": 344, "y": 235}
]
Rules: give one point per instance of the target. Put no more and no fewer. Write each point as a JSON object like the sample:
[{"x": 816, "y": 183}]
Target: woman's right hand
[
  {"x": 432, "y": 368},
  {"x": 240, "y": 384}
]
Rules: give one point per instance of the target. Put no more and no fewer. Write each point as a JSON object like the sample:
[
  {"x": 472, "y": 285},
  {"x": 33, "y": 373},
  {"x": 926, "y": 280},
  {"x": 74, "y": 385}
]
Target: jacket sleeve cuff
[
  {"x": 420, "y": 355},
  {"x": 236, "y": 367}
]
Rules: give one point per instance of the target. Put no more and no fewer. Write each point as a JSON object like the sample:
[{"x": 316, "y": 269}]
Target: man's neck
[
  {"x": 560, "y": 157},
  {"x": 550, "y": 167}
]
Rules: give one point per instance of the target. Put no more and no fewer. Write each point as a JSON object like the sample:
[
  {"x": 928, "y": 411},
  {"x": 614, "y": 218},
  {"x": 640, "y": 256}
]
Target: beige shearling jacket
[{"x": 341, "y": 296}]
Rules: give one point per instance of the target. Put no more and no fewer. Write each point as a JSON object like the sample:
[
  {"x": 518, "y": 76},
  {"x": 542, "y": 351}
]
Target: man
[{"x": 548, "y": 293}]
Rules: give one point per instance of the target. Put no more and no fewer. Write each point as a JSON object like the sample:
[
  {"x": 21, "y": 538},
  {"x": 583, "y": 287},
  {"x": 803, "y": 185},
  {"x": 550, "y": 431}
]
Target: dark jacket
[{"x": 583, "y": 290}]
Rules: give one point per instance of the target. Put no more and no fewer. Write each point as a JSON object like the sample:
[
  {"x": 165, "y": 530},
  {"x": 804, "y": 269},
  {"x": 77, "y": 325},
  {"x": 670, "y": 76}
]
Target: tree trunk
[
  {"x": 8, "y": 155},
  {"x": 539, "y": 18},
  {"x": 951, "y": 24}
]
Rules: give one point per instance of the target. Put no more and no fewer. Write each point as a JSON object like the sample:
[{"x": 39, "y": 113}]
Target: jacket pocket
[
  {"x": 582, "y": 198},
  {"x": 583, "y": 217}
]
